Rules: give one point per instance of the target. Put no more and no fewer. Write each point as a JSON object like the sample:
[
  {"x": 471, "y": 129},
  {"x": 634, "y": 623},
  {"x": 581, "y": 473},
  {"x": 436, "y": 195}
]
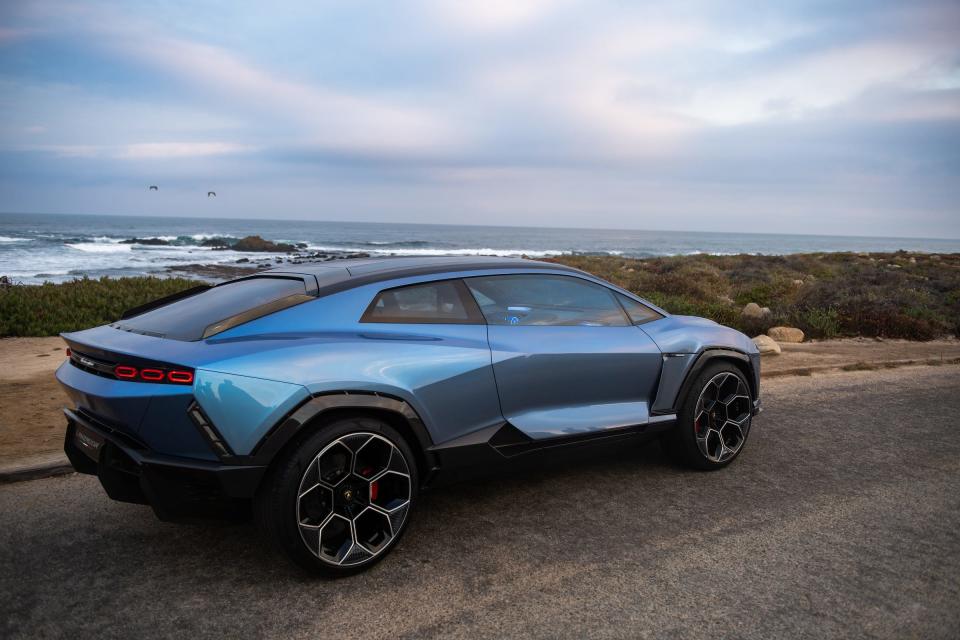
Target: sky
[{"x": 782, "y": 117}]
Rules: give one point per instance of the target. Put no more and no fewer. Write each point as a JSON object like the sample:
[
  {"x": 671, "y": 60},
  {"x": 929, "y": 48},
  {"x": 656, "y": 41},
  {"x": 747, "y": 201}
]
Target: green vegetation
[
  {"x": 48, "y": 309},
  {"x": 828, "y": 295}
]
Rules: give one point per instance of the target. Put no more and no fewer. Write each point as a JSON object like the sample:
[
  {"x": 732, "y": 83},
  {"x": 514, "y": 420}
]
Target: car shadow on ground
[{"x": 465, "y": 510}]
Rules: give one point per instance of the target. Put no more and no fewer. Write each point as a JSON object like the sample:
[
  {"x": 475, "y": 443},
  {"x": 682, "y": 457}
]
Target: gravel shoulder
[{"x": 840, "y": 519}]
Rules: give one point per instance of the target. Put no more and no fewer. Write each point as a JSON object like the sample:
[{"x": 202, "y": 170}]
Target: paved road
[{"x": 842, "y": 518}]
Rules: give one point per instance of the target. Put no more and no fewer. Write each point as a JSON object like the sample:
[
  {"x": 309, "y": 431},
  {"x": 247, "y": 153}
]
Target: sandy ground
[
  {"x": 838, "y": 353},
  {"x": 841, "y": 519},
  {"x": 32, "y": 423},
  {"x": 31, "y": 420}
]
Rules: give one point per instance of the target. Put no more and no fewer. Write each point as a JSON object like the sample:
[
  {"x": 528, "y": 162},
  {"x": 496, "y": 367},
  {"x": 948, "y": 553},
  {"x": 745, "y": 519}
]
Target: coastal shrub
[
  {"x": 823, "y": 323},
  {"x": 890, "y": 295},
  {"x": 49, "y": 309}
]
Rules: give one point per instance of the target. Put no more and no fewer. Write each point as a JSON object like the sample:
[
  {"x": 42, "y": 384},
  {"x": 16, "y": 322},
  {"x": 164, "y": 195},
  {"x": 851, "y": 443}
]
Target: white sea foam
[
  {"x": 97, "y": 247},
  {"x": 200, "y": 237},
  {"x": 9, "y": 239},
  {"x": 402, "y": 251}
]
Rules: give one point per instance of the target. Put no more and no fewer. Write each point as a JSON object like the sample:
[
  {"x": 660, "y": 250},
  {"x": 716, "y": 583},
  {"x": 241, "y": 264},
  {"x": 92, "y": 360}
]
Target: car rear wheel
[
  {"x": 341, "y": 500},
  {"x": 714, "y": 419}
]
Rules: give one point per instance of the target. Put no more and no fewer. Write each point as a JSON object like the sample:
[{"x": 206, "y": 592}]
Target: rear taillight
[
  {"x": 125, "y": 372},
  {"x": 152, "y": 374},
  {"x": 180, "y": 377}
]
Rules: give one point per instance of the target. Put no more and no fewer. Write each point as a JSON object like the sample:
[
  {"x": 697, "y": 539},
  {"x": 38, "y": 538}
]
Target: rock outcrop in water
[
  {"x": 154, "y": 242},
  {"x": 216, "y": 243},
  {"x": 256, "y": 243}
]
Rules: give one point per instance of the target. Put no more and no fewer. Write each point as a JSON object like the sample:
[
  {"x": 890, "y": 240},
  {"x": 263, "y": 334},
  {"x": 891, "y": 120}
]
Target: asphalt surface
[{"x": 840, "y": 519}]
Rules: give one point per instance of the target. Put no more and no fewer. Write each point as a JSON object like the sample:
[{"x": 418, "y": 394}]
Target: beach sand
[{"x": 31, "y": 400}]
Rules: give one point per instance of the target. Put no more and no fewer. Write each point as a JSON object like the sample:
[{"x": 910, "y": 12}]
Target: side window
[
  {"x": 545, "y": 300},
  {"x": 639, "y": 313},
  {"x": 445, "y": 302}
]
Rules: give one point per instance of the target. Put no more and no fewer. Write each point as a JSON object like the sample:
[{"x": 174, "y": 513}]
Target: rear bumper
[{"x": 176, "y": 488}]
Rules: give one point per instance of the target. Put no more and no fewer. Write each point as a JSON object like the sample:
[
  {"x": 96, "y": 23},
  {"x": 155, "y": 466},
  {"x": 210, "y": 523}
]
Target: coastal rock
[
  {"x": 216, "y": 243},
  {"x": 767, "y": 345},
  {"x": 753, "y": 311},
  {"x": 256, "y": 243},
  {"x": 785, "y": 334},
  {"x": 153, "y": 242}
]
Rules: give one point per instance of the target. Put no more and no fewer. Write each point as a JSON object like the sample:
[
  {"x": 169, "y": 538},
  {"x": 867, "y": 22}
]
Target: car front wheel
[
  {"x": 714, "y": 419},
  {"x": 341, "y": 500}
]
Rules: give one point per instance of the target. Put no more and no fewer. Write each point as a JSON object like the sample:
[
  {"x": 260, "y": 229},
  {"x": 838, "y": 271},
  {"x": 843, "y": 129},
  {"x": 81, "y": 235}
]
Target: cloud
[
  {"x": 513, "y": 111},
  {"x": 490, "y": 15},
  {"x": 143, "y": 150}
]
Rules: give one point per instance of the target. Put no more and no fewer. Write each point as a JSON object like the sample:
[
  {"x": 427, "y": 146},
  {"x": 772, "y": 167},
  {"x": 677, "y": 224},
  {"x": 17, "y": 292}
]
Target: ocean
[{"x": 35, "y": 248}]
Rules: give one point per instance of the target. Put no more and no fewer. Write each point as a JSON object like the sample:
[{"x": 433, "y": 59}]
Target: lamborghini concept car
[{"x": 326, "y": 396}]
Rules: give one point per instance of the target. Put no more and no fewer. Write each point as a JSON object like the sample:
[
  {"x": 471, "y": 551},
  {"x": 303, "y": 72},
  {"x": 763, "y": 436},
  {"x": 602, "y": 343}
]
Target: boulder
[
  {"x": 256, "y": 243},
  {"x": 152, "y": 242},
  {"x": 767, "y": 345},
  {"x": 785, "y": 334},
  {"x": 753, "y": 311}
]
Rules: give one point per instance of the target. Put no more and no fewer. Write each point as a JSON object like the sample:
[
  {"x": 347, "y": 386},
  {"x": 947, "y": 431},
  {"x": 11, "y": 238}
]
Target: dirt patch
[
  {"x": 31, "y": 400},
  {"x": 858, "y": 354}
]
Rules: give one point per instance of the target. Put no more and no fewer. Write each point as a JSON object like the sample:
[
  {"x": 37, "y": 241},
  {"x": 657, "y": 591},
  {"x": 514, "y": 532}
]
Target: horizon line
[{"x": 487, "y": 226}]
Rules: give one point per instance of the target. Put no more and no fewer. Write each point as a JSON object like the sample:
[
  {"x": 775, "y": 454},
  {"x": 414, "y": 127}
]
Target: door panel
[{"x": 570, "y": 380}]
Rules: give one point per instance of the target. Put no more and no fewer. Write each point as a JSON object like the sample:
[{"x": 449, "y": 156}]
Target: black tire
[
  {"x": 696, "y": 443},
  {"x": 288, "y": 523}
]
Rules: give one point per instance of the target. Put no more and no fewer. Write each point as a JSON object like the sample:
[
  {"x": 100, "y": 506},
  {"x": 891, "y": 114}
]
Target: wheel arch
[
  {"x": 710, "y": 355},
  {"x": 322, "y": 409}
]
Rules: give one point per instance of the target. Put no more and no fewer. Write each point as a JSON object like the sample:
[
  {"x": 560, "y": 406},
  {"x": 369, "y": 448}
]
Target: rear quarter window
[
  {"x": 218, "y": 308},
  {"x": 444, "y": 302}
]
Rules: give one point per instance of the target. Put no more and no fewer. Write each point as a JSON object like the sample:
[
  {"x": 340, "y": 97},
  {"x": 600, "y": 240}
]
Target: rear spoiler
[{"x": 159, "y": 302}]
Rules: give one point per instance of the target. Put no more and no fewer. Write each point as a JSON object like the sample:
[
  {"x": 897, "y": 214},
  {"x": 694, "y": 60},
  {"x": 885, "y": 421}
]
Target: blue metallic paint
[
  {"x": 121, "y": 404},
  {"x": 244, "y": 408},
  {"x": 607, "y": 376}
]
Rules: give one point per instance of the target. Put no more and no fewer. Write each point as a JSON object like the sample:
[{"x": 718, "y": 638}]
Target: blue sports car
[{"x": 328, "y": 395}]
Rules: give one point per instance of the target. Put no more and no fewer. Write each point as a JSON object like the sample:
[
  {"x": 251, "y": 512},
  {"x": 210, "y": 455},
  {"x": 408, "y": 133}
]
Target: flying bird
[
  {"x": 154, "y": 187},
  {"x": 211, "y": 194}
]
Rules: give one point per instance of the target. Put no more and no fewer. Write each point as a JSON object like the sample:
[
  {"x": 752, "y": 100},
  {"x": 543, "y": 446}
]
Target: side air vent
[{"x": 210, "y": 433}]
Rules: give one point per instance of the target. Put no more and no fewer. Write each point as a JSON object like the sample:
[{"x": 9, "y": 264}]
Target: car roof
[{"x": 349, "y": 272}]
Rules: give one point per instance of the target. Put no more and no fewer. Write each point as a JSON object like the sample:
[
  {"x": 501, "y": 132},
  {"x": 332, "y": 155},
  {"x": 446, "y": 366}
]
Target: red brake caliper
[{"x": 374, "y": 488}]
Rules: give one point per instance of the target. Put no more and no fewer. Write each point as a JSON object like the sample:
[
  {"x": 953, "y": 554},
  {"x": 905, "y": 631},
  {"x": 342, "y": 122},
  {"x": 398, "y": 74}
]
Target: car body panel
[
  {"x": 689, "y": 334},
  {"x": 607, "y": 376},
  {"x": 119, "y": 403},
  {"x": 244, "y": 408}
]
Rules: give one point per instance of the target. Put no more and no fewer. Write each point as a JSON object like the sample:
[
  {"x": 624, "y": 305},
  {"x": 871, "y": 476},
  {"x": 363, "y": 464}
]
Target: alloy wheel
[
  {"x": 353, "y": 499},
  {"x": 722, "y": 417}
]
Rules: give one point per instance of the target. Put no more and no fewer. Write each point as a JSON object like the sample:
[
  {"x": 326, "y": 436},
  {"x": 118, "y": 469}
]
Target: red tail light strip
[
  {"x": 181, "y": 377},
  {"x": 174, "y": 376}
]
